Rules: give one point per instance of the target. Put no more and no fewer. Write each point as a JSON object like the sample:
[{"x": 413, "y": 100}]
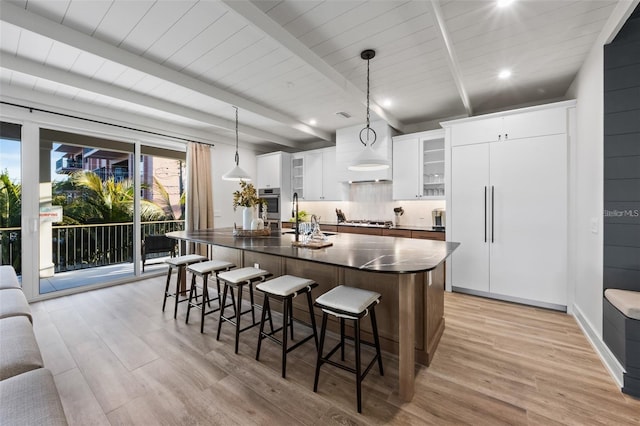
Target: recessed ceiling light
[
  {"x": 504, "y": 3},
  {"x": 313, "y": 122},
  {"x": 386, "y": 103},
  {"x": 504, "y": 74}
]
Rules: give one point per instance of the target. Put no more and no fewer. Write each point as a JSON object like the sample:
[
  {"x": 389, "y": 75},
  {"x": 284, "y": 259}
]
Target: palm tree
[
  {"x": 108, "y": 201},
  {"x": 10, "y": 217}
]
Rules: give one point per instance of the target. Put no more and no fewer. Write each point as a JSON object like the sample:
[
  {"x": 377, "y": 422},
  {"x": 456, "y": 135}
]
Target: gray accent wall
[{"x": 622, "y": 158}]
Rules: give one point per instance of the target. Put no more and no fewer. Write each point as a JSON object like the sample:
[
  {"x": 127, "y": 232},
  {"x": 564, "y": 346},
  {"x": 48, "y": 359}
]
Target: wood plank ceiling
[{"x": 286, "y": 62}]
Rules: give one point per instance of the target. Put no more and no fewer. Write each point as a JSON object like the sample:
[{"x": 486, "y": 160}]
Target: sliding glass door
[{"x": 10, "y": 196}]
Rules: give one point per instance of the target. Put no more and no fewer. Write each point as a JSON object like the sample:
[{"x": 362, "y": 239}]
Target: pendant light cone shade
[
  {"x": 368, "y": 160},
  {"x": 236, "y": 174}
]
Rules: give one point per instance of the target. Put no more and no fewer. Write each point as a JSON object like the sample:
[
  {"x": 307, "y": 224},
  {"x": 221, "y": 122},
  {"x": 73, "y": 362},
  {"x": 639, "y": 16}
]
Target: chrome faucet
[{"x": 294, "y": 213}]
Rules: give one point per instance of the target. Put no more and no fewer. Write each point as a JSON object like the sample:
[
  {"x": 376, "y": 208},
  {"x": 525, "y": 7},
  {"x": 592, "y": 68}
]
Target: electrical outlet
[{"x": 256, "y": 265}]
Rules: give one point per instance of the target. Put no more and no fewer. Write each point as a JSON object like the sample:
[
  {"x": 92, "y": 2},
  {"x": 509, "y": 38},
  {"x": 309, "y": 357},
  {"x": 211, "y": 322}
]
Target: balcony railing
[
  {"x": 67, "y": 165},
  {"x": 85, "y": 246}
]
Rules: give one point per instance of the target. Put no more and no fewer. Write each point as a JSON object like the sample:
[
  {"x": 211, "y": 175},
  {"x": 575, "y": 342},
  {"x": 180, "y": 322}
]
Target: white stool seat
[
  {"x": 209, "y": 266},
  {"x": 348, "y": 299},
  {"x": 243, "y": 274},
  {"x": 626, "y": 301},
  {"x": 284, "y": 285},
  {"x": 185, "y": 260}
]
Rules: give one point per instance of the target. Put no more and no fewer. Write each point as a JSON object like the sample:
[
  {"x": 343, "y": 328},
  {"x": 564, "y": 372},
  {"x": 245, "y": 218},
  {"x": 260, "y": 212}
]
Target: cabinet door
[
  {"x": 268, "y": 171},
  {"x": 477, "y": 131},
  {"x": 468, "y": 217},
  {"x": 544, "y": 122},
  {"x": 313, "y": 176},
  {"x": 330, "y": 190},
  {"x": 407, "y": 178},
  {"x": 297, "y": 175},
  {"x": 529, "y": 249}
]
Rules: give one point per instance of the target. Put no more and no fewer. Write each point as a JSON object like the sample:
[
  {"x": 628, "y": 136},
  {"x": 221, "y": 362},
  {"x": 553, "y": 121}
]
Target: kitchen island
[{"x": 408, "y": 273}]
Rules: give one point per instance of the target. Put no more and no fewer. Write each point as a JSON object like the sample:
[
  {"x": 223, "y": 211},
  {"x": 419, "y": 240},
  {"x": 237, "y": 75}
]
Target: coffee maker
[{"x": 438, "y": 219}]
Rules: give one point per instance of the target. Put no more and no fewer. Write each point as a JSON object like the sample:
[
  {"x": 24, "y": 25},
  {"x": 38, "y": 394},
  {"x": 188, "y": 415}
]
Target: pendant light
[
  {"x": 236, "y": 173},
  {"x": 367, "y": 159}
]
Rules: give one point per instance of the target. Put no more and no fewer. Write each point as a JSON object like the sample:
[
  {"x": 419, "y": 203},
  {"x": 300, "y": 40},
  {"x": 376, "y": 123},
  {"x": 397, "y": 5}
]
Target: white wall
[
  {"x": 587, "y": 147},
  {"x": 222, "y": 160},
  {"x": 586, "y": 188}
]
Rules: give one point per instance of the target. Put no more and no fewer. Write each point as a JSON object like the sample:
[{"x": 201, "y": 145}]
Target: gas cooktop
[{"x": 368, "y": 223}]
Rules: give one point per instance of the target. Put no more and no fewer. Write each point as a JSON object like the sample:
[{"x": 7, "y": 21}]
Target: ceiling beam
[
  {"x": 19, "y": 17},
  {"x": 59, "y": 76},
  {"x": 452, "y": 59},
  {"x": 260, "y": 20}
]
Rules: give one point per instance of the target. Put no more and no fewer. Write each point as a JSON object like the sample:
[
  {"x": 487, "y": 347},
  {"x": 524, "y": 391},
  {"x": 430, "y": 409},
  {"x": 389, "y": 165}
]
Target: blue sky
[{"x": 10, "y": 160}]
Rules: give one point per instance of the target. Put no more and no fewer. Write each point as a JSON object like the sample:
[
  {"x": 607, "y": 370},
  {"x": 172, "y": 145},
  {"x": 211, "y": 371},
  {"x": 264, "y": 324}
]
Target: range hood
[{"x": 348, "y": 147}]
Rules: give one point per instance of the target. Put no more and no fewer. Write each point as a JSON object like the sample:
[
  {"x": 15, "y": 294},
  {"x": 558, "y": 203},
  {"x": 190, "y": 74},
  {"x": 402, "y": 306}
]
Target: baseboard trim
[
  {"x": 520, "y": 300},
  {"x": 608, "y": 359}
]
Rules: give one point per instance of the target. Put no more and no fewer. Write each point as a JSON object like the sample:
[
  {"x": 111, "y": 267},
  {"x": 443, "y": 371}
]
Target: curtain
[{"x": 199, "y": 210}]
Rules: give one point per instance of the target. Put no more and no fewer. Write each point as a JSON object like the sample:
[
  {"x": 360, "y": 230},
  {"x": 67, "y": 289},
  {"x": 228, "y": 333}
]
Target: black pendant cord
[
  {"x": 237, "y": 155},
  {"x": 149, "y": 132},
  {"x": 370, "y": 133}
]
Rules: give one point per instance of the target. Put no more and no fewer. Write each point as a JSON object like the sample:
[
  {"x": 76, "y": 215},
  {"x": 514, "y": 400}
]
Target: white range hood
[{"x": 348, "y": 147}]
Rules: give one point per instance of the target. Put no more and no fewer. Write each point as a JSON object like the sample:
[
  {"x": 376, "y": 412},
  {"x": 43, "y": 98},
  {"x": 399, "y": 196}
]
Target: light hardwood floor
[{"x": 117, "y": 359}]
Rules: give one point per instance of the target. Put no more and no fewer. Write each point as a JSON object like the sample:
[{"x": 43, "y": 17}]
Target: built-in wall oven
[{"x": 272, "y": 198}]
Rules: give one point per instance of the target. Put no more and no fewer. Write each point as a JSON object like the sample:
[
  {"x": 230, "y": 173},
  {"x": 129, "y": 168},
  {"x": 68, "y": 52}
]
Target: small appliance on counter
[
  {"x": 398, "y": 211},
  {"x": 341, "y": 217},
  {"x": 438, "y": 219}
]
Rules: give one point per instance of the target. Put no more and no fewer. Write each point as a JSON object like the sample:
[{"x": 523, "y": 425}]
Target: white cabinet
[
  {"x": 270, "y": 169},
  {"x": 508, "y": 126},
  {"x": 320, "y": 182},
  {"x": 297, "y": 174},
  {"x": 419, "y": 166},
  {"x": 508, "y": 211}
]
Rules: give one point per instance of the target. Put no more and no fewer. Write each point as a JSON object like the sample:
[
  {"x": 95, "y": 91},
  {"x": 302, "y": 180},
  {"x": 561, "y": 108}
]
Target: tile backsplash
[{"x": 373, "y": 201}]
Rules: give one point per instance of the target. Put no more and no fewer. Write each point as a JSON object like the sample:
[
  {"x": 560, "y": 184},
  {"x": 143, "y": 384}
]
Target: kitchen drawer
[
  {"x": 428, "y": 235},
  {"x": 329, "y": 228},
  {"x": 405, "y": 233},
  {"x": 360, "y": 230}
]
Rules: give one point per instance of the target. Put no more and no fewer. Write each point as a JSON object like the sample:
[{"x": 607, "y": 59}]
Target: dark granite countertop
[
  {"x": 400, "y": 227},
  {"x": 365, "y": 252}
]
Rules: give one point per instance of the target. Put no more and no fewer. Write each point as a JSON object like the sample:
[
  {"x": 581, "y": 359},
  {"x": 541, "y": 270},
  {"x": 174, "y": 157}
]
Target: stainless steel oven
[{"x": 272, "y": 198}]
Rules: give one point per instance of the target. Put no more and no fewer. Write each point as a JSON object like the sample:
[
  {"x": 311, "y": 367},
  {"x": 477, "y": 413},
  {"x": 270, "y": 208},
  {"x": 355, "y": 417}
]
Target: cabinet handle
[
  {"x": 506, "y": 136},
  {"x": 492, "y": 212},
  {"x": 499, "y": 137},
  {"x": 485, "y": 214}
]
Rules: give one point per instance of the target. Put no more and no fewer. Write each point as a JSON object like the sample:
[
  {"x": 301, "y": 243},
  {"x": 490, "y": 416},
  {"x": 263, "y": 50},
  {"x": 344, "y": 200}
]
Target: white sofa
[{"x": 28, "y": 393}]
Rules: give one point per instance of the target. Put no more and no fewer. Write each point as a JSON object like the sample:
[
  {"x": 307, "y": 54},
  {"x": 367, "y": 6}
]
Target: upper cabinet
[
  {"x": 297, "y": 174},
  {"x": 274, "y": 170},
  {"x": 319, "y": 177},
  {"x": 419, "y": 166},
  {"x": 508, "y": 126},
  {"x": 348, "y": 146}
]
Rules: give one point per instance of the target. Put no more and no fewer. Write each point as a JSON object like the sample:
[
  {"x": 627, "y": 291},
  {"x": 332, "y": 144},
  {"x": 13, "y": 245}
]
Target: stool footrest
[{"x": 326, "y": 360}]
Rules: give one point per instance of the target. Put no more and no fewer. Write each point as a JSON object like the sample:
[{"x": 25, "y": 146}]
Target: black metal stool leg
[
  {"x": 285, "y": 320},
  {"x": 224, "y": 296},
  {"x": 191, "y": 291},
  {"x": 205, "y": 298},
  {"x": 166, "y": 288},
  {"x": 239, "y": 315},
  {"x": 265, "y": 306},
  {"x": 323, "y": 329},
  {"x": 291, "y": 316},
  {"x": 181, "y": 270},
  {"x": 253, "y": 311},
  {"x": 358, "y": 366},
  {"x": 342, "y": 339},
  {"x": 376, "y": 339},
  {"x": 313, "y": 319}
]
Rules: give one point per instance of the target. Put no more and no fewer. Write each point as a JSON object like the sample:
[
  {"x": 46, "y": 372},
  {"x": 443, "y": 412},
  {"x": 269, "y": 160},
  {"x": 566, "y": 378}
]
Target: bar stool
[
  {"x": 285, "y": 288},
  {"x": 354, "y": 304},
  {"x": 204, "y": 269},
  {"x": 180, "y": 262},
  {"x": 238, "y": 278}
]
